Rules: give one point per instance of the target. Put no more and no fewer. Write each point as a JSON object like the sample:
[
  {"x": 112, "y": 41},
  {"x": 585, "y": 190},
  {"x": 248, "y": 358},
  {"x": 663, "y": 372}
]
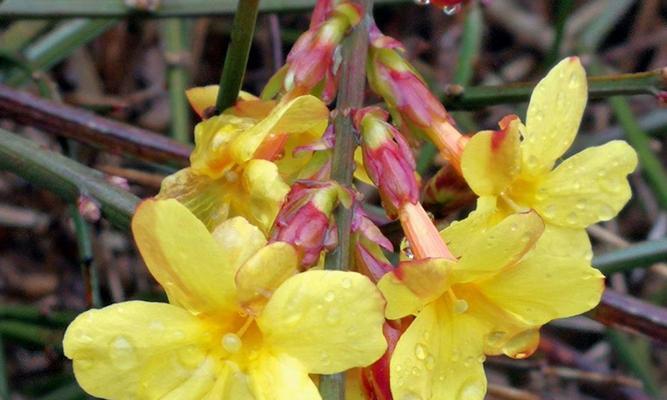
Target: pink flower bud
[
  {"x": 388, "y": 159},
  {"x": 368, "y": 242}
]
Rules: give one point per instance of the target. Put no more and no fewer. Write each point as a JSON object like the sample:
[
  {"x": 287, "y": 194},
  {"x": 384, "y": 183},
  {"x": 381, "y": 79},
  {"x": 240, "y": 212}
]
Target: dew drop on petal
[
  {"x": 420, "y": 351},
  {"x": 329, "y": 297},
  {"x": 571, "y": 218},
  {"x": 523, "y": 344},
  {"x": 430, "y": 363},
  {"x": 122, "y": 353},
  {"x": 471, "y": 390},
  {"x": 460, "y": 306},
  {"x": 346, "y": 283},
  {"x": 156, "y": 325},
  {"x": 494, "y": 338},
  {"x": 231, "y": 342}
]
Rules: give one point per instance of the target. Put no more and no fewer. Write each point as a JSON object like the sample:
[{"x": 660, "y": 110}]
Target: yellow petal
[
  {"x": 401, "y": 301},
  {"x": 314, "y": 317},
  {"x": 302, "y": 114},
  {"x": 184, "y": 258},
  {"x": 281, "y": 377},
  {"x": 554, "y": 281},
  {"x": 263, "y": 273},
  {"x": 202, "y": 195},
  {"x": 554, "y": 114},
  {"x": 202, "y": 98},
  {"x": 588, "y": 187},
  {"x": 499, "y": 247},
  {"x": 239, "y": 240},
  {"x": 428, "y": 278},
  {"x": 137, "y": 350},
  {"x": 457, "y": 235},
  {"x": 440, "y": 356},
  {"x": 262, "y": 181},
  {"x": 491, "y": 160}
]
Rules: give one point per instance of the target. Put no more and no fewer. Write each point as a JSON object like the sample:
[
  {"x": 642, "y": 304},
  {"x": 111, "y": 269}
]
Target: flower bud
[
  {"x": 306, "y": 219},
  {"x": 368, "y": 242},
  {"x": 387, "y": 158}
]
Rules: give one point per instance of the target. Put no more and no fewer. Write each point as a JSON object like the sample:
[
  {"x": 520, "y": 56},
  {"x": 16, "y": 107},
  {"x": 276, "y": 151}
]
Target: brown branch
[
  {"x": 83, "y": 126},
  {"x": 628, "y": 313}
]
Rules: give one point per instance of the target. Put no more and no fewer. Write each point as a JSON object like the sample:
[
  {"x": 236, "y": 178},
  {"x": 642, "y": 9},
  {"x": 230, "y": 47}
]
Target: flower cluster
[{"x": 238, "y": 239}]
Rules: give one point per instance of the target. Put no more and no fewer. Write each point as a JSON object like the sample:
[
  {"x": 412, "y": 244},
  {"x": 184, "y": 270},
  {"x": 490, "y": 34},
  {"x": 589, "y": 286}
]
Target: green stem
[
  {"x": 636, "y": 256},
  {"x": 176, "y": 46},
  {"x": 30, "y": 334},
  {"x": 236, "y": 59},
  {"x": 474, "y": 97},
  {"x": 635, "y": 356},
  {"x": 86, "y": 259},
  {"x": 563, "y": 9},
  {"x": 4, "y": 382},
  {"x": 66, "y": 178},
  {"x": 350, "y": 97},
  {"x": 69, "y": 391},
  {"x": 118, "y": 8},
  {"x": 58, "y": 44},
  {"x": 20, "y": 34},
  {"x": 25, "y": 313}
]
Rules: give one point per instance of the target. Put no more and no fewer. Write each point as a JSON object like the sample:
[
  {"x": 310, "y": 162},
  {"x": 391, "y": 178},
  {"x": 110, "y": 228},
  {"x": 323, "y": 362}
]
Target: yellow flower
[
  {"x": 504, "y": 284},
  {"x": 239, "y": 324},
  {"x": 234, "y": 168},
  {"x": 513, "y": 169}
]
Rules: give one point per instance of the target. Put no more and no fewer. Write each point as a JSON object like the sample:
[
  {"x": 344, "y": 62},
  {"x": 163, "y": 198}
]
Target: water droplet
[
  {"x": 84, "y": 338},
  {"x": 571, "y": 218},
  {"x": 473, "y": 389},
  {"x": 581, "y": 204},
  {"x": 330, "y": 296},
  {"x": 346, "y": 283},
  {"x": 460, "y": 306},
  {"x": 231, "y": 342},
  {"x": 416, "y": 370},
  {"x": 451, "y": 10},
  {"x": 156, "y": 325},
  {"x": 430, "y": 363},
  {"x": 523, "y": 344},
  {"x": 513, "y": 227},
  {"x": 408, "y": 253},
  {"x": 494, "y": 338},
  {"x": 574, "y": 81},
  {"x": 333, "y": 316},
  {"x": 122, "y": 353},
  {"x": 420, "y": 351},
  {"x": 550, "y": 211},
  {"x": 422, "y": 2}
]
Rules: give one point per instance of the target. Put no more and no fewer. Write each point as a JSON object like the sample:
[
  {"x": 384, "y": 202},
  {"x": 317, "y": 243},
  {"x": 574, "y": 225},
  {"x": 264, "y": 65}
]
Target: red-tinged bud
[
  {"x": 375, "y": 378},
  {"x": 388, "y": 159},
  {"x": 306, "y": 219},
  {"x": 448, "y": 190},
  {"x": 368, "y": 242},
  {"x": 310, "y": 65},
  {"x": 414, "y": 107}
]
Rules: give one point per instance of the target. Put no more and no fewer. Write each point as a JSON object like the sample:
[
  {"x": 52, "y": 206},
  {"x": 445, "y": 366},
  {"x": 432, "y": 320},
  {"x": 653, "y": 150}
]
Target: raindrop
[
  {"x": 156, "y": 325},
  {"x": 574, "y": 81},
  {"x": 122, "y": 353},
  {"x": 346, "y": 283},
  {"x": 550, "y": 211},
  {"x": 460, "y": 306},
  {"x": 513, "y": 227},
  {"x": 571, "y": 218},
  {"x": 84, "y": 338},
  {"x": 422, "y": 2},
  {"x": 420, "y": 351},
  {"x": 523, "y": 344},
  {"x": 231, "y": 342},
  {"x": 581, "y": 204},
  {"x": 329, "y": 297},
  {"x": 452, "y": 10},
  {"x": 408, "y": 253},
  {"x": 430, "y": 363},
  {"x": 472, "y": 389},
  {"x": 495, "y": 337}
]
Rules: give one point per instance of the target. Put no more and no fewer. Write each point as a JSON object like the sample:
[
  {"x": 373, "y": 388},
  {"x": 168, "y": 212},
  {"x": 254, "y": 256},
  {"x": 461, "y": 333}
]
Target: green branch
[
  {"x": 175, "y": 34},
  {"x": 636, "y": 256},
  {"x": 236, "y": 59},
  {"x": 457, "y": 97},
  {"x": 66, "y": 178}
]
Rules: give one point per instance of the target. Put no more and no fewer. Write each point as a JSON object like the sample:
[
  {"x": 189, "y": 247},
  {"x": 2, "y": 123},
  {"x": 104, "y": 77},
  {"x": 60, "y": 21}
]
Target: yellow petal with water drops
[
  {"x": 554, "y": 114},
  {"x": 314, "y": 317},
  {"x": 281, "y": 377},
  {"x": 136, "y": 349},
  {"x": 239, "y": 240},
  {"x": 401, "y": 301},
  {"x": 184, "y": 258},
  {"x": 589, "y": 187},
  {"x": 440, "y": 356},
  {"x": 305, "y": 113},
  {"x": 263, "y": 273},
  {"x": 427, "y": 278},
  {"x": 498, "y": 248},
  {"x": 555, "y": 280},
  {"x": 202, "y": 98},
  {"x": 491, "y": 160},
  {"x": 457, "y": 235}
]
